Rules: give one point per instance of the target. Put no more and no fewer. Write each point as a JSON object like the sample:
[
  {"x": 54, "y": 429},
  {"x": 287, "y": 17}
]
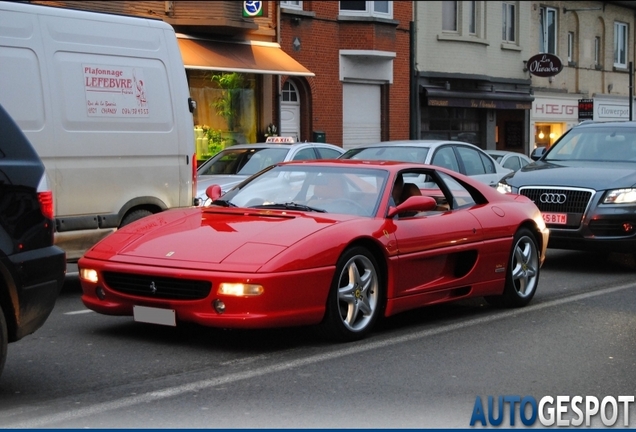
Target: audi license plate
[
  {"x": 555, "y": 218},
  {"x": 154, "y": 315}
]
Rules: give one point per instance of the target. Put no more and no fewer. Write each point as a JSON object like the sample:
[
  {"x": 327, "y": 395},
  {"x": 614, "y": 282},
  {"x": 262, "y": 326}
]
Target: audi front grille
[
  {"x": 157, "y": 287},
  {"x": 572, "y": 201}
]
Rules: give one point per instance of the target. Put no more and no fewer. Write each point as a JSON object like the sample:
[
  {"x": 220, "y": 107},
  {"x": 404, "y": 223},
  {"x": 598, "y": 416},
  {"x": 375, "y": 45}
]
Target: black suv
[{"x": 32, "y": 269}]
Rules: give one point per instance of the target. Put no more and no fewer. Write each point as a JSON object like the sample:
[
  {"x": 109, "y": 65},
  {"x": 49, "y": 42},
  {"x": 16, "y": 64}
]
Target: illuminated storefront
[{"x": 551, "y": 117}]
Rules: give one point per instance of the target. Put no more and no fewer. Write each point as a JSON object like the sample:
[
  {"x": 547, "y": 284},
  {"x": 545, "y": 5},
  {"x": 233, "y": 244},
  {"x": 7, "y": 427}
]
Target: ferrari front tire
[
  {"x": 522, "y": 274},
  {"x": 355, "y": 298}
]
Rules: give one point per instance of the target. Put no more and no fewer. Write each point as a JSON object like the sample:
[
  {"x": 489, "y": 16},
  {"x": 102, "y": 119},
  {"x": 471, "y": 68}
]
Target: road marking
[
  {"x": 78, "y": 312},
  {"x": 127, "y": 402}
]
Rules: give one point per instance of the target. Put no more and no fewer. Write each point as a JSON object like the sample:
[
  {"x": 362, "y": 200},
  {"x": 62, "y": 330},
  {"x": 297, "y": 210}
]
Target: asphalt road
[{"x": 421, "y": 369}]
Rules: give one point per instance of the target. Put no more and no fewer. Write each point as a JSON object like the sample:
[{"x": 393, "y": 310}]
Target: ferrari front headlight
[
  {"x": 88, "y": 275},
  {"x": 240, "y": 289},
  {"x": 621, "y": 196}
]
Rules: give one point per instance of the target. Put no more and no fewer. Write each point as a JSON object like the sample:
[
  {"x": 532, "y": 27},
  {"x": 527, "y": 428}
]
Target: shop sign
[
  {"x": 544, "y": 65},
  {"x": 252, "y": 9},
  {"x": 478, "y": 103},
  {"x": 586, "y": 109}
]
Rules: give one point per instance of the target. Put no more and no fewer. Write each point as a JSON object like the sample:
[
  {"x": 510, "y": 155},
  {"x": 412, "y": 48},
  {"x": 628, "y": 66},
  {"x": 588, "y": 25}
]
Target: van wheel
[
  {"x": 133, "y": 216},
  {"x": 4, "y": 336}
]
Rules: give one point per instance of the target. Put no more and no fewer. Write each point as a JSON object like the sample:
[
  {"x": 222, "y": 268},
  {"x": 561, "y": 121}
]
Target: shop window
[
  {"x": 455, "y": 124},
  {"x": 226, "y": 112}
]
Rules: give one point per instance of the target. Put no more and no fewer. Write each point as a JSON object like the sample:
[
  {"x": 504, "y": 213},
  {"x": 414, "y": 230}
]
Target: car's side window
[
  {"x": 327, "y": 153},
  {"x": 445, "y": 157},
  {"x": 471, "y": 160},
  {"x": 489, "y": 165},
  {"x": 461, "y": 196},
  {"x": 305, "y": 154},
  {"x": 512, "y": 163}
]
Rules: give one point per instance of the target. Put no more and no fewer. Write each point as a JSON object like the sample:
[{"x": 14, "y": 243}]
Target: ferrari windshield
[
  {"x": 596, "y": 144},
  {"x": 348, "y": 190}
]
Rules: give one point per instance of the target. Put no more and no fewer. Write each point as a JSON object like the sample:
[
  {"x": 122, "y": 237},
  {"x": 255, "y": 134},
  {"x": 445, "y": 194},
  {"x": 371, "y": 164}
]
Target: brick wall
[{"x": 322, "y": 36}]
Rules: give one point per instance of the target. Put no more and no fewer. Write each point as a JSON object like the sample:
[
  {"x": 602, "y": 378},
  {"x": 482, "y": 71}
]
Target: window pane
[
  {"x": 449, "y": 15},
  {"x": 551, "y": 31},
  {"x": 381, "y": 6},
  {"x": 353, "y": 5}
]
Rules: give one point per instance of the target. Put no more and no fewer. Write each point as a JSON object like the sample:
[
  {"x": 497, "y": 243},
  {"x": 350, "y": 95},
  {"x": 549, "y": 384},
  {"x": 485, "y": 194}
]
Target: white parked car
[
  {"x": 509, "y": 159},
  {"x": 234, "y": 164},
  {"x": 458, "y": 156}
]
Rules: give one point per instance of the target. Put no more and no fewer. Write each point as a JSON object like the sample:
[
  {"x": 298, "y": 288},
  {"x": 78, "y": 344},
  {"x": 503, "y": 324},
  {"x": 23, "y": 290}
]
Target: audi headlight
[
  {"x": 621, "y": 196},
  {"x": 504, "y": 188}
]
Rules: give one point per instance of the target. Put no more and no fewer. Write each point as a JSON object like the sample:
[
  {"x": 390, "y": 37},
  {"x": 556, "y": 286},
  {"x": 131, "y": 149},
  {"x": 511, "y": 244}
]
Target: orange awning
[{"x": 248, "y": 57}]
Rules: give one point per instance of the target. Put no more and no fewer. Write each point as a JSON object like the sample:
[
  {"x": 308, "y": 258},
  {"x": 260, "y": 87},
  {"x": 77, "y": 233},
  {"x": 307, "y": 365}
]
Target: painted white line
[
  {"x": 78, "y": 312},
  {"x": 127, "y": 402}
]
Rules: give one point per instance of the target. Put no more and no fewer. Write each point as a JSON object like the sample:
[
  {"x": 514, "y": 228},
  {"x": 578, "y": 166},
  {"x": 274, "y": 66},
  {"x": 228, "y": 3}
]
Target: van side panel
[{"x": 104, "y": 100}]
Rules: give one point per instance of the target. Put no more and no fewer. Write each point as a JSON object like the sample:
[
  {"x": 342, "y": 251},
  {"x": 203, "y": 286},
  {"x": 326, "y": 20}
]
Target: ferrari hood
[
  {"x": 597, "y": 175},
  {"x": 214, "y": 235}
]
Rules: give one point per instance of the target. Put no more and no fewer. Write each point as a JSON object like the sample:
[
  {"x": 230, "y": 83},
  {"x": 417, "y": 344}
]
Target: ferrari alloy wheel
[
  {"x": 3, "y": 340},
  {"x": 522, "y": 275},
  {"x": 355, "y": 299}
]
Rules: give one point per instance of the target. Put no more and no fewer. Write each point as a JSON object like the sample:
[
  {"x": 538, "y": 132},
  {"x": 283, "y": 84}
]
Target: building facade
[
  {"x": 595, "y": 43},
  {"x": 342, "y": 74},
  {"x": 359, "y": 52},
  {"x": 469, "y": 65}
]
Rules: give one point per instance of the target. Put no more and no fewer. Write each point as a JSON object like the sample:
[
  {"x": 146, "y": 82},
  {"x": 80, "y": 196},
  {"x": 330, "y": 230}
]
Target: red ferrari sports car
[{"x": 336, "y": 244}]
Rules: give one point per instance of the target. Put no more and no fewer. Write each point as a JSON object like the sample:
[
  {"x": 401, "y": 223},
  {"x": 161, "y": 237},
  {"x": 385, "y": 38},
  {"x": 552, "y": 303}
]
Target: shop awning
[{"x": 247, "y": 57}]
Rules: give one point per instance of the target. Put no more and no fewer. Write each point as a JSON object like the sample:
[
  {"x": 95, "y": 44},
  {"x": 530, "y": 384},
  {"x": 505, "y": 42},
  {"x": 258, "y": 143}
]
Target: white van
[{"x": 105, "y": 101}]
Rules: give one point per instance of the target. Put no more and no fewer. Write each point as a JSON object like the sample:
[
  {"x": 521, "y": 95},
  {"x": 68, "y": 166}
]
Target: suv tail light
[{"x": 46, "y": 203}]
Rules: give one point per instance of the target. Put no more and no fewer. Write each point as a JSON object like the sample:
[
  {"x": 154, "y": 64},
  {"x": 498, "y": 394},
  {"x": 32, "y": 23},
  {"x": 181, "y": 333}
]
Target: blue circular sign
[{"x": 253, "y": 8}]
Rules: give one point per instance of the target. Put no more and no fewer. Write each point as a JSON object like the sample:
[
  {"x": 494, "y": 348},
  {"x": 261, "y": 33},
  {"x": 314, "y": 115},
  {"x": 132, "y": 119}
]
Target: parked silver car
[
  {"x": 458, "y": 156},
  {"x": 510, "y": 159},
  {"x": 234, "y": 164}
]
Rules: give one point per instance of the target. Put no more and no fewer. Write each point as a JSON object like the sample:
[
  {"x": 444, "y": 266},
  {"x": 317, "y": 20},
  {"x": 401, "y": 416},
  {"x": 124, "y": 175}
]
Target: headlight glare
[
  {"x": 88, "y": 275},
  {"x": 504, "y": 188},
  {"x": 240, "y": 289},
  {"x": 621, "y": 196}
]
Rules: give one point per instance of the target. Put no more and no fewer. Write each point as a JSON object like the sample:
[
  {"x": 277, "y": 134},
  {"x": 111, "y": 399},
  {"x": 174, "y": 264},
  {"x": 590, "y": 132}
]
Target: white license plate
[
  {"x": 555, "y": 218},
  {"x": 154, "y": 315}
]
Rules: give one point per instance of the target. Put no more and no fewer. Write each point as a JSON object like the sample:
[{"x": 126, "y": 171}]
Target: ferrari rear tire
[
  {"x": 522, "y": 274},
  {"x": 355, "y": 298},
  {"x": 4, "y": 339}
]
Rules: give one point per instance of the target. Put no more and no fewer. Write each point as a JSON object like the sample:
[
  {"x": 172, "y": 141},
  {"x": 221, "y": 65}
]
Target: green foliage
[{"x": 227, "y": 105}]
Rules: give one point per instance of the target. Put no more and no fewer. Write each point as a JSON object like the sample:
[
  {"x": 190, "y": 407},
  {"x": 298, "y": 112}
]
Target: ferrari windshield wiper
[
  {"x": 292, "y": 206},
  {"x": 223, "y": 203}
]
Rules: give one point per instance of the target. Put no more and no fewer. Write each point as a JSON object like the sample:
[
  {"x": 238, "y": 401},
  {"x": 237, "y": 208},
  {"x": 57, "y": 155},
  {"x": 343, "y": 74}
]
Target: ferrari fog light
[
  {"x": 240, "y": 289},
  {"x": 100, "y": 293},
  {"x": 628, "y": 227},
  {"x": 218, "y": 306},
  {"x": 89, "y": 275}
]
